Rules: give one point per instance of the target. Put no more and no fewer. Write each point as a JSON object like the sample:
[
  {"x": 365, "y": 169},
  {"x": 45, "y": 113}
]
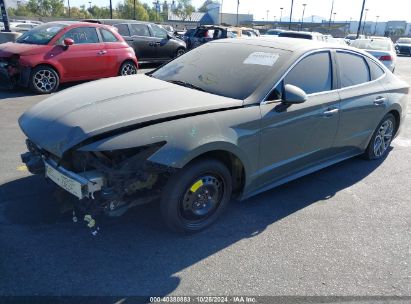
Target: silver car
[
  {"x": 229, "y": 119},
  {"x": 382, "y": 49}
]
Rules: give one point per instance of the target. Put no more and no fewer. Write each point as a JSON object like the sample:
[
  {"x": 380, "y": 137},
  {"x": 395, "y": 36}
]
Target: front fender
[{"x": 235, "y": 131}]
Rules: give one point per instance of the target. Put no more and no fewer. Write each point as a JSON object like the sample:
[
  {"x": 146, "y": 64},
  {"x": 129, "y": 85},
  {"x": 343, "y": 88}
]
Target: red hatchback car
[{"x": 59, "y": 52}]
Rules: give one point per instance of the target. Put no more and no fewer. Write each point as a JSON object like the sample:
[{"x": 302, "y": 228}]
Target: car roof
[
  {"x": 114, "y": 21},
  {"x": 296, "y": 45}
]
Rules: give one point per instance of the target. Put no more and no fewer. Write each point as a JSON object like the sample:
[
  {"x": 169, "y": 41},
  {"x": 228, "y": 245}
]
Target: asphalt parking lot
[{"x": 344, "y": 230}]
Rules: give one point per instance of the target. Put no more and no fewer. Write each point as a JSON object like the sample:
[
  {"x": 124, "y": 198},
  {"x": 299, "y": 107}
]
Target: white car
[
  {"x": 382, "y": 49},
  {"x": 22, "y": 26}
]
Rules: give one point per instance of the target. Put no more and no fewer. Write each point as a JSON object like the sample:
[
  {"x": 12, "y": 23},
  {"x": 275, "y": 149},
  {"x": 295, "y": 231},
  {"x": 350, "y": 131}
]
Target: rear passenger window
[
  {"x": 123, "y": 29},
  {"x": 312, "y": 74},
  {"x": 375, "y": 71},
  {"x": 108, "y": 36},
  {"x": 353, "y": 69}
]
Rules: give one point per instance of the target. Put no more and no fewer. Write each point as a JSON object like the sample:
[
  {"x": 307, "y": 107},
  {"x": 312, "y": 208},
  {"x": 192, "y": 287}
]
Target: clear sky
[{"x": 386, "y": 9}]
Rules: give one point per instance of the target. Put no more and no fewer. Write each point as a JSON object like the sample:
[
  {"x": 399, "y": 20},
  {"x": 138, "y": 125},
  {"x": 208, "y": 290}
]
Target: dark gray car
[
  {"x": 231, "y": 118},
  {"x": 150, "y": 42}
]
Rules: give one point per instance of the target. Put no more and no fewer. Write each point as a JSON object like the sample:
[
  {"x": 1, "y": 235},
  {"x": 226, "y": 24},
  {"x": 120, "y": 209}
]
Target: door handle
[
  {"x": 330, "y": 112},
  {"x": 379, "y": 100},
  {"x": 102, "y": 52}
]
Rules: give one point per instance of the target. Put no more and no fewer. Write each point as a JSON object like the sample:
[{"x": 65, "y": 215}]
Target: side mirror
[
  {"x": 293, "y": 94},
  {"x": 67, "y": 42},
  {"x": 169, "y": 36}
]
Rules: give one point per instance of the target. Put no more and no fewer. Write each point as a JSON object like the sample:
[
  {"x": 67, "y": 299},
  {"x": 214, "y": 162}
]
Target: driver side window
[
  {"x": 158, "y": 32},
  {"x": 313, "y": 74},
  {"x": 81, "y": 35}
]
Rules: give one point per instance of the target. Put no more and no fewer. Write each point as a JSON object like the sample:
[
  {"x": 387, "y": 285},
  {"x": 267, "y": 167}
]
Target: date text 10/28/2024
[{"x": 203, "y": 299}]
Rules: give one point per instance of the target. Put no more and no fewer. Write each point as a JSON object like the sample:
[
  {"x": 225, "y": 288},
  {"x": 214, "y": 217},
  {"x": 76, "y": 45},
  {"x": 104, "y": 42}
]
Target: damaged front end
[
  {"x": 108, "y": 182},
  {"x": 12, "y": 73}
]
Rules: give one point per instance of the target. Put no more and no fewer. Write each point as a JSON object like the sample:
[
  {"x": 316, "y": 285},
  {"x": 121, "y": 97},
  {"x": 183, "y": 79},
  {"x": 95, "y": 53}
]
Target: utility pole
[
  {"x": 267, "y": 14},
  {"x": 134, "y": 10},
  {"x": 331, "y": 14},
  {"x": 375, "y": 28},
  {"x": 359, "y": 23},
  {"x": 111, "y": 9},
  {"x": 302, "y": 18},
  {"x": 334, "y": 17},
  {"x": 69, "y": 10},
  {"x": 291, "y": 14},
  {"x": 365, "y": 20}
]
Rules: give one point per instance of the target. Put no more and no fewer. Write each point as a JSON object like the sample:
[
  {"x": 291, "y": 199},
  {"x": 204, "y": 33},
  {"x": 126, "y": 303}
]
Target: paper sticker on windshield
[{"x": 261, "y": 58}]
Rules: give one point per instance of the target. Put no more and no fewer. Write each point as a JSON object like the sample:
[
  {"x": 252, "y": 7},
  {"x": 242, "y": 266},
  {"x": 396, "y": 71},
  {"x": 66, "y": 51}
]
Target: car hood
[
  {"x": 74, "y": 115},
  {"x": 11, "y": 48}
]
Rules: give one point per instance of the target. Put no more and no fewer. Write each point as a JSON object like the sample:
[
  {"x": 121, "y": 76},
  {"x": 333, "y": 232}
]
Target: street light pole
[
  {"x": 221, "y": 12},
  {"x": 334, "y": 17},
  {"x": 134, "y": 10},
  {"x": 331, "y": 14},
  {"x": 267, "y": 14},
  {"x": 375, "y": 28},
  {"x": 365, "y": 20},
  {"x": 238, "y": 4},
  {"x": 291, "y": 14},
  {"x": 111, "y": 9},
  {"x": 359, "y": 23},
  {"x": 302, "y": 18},
  {"x": 281, "y": 13},
  {"x": 68, "y": 3}
]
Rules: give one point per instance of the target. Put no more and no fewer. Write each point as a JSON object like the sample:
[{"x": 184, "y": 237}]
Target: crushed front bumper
[
  {"x": 82, "y": 185},
  {"x": 12, "y": 75}
]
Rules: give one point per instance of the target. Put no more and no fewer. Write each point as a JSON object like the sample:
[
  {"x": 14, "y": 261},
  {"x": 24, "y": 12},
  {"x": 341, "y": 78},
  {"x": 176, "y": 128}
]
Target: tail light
[{"x": 386, "y": 58}]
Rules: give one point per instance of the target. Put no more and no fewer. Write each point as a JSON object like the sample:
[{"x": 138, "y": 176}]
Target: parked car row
[{"x": 151, "y": 42}]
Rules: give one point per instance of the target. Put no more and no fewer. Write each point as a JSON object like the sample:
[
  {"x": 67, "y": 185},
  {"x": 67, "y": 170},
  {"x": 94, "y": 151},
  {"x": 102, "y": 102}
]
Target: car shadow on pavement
[{"x": 135, "y": 254}]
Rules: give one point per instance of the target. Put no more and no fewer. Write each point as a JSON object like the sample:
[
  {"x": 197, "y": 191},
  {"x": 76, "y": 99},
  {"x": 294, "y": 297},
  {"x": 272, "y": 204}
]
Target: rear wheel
[
  {"x": 381, "y": 139},
  {"x": 128, "y": 68},
  {"x": 44, "y": 80},
  {"x": 194, "y": 198}
]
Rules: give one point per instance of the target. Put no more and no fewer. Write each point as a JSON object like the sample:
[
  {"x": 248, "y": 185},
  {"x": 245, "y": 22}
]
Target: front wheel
[
  {"x": 180, "y": 52},
  {"x": 381, "y": 139},
  {"x": 196, "y": 196},
  {"x": 128, "y": 68},
  {"x": 44, "y": 80}
]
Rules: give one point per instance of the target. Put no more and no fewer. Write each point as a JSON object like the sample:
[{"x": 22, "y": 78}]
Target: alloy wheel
[
  {"x": 383, "y": 139},
  {"x": 180, "y": 52},
  {"x": 128, "y": 69},
  {"x": 45, "y": 81}
]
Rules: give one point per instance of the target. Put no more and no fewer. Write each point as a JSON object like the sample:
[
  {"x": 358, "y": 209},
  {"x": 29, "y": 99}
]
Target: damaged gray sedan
[{"x": 229, "y": 119}]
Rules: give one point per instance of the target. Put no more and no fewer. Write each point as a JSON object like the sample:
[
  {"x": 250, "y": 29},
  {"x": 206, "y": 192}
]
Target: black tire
[
  {"x": 196, "y": 196},
  {"x": 44, "y": 80},
  {"x": 371, "y": 152},
  {"x": 180, "y": 51},
  {"x": 127, "y": 68}
]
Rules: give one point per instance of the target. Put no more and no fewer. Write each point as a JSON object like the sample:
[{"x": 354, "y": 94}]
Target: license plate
[{"x": 65, "y": 182}]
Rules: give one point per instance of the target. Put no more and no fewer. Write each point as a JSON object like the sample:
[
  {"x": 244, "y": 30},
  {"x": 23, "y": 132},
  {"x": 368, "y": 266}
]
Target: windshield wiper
[{"x": 186, "y": 84}]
